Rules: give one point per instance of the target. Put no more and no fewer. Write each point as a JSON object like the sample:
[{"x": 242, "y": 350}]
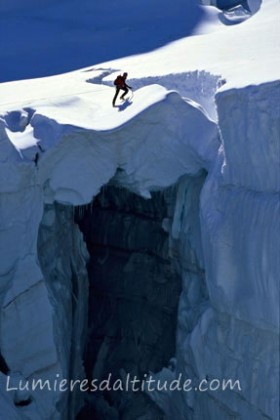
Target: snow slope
[
  {"x": 48, "y": 38},
  {"x": 61, "y": 141},
  {"x": 244, "y": 54}
]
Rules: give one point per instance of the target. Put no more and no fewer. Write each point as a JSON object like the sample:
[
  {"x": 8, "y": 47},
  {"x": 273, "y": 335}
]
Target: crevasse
[{"x": 221, "y": 237}]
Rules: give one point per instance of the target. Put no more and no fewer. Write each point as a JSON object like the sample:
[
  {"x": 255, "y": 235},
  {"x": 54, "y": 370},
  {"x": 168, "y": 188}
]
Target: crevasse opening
[
  {"x": 133, "y": 294},
  {"x": 121, "y": 317},
  {"x": 134, "y": 289}
]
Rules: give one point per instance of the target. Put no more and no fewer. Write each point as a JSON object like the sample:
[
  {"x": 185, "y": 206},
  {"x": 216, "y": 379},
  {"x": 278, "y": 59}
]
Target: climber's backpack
[{"x": 118, "y": 81}]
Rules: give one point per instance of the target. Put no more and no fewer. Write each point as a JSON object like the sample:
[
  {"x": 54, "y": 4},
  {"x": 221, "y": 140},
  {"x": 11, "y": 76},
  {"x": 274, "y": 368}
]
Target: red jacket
[{"x": 120, "y": 82}]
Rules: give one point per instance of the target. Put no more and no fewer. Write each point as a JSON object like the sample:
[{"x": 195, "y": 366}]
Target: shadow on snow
[{"x": 51, "y": 39}]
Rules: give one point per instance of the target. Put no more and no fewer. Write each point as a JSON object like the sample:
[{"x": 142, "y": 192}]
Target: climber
[{"x": 120, "y": 83}]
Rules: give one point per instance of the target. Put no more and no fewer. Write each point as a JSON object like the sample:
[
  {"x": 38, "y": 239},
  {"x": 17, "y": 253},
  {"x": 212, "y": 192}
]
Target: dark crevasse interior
[{"x": 133, "y": 296}]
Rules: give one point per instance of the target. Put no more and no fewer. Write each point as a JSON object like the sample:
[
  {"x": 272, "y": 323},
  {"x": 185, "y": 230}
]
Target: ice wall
[
  {"x": 42, "y": 302},
  {"x": 237, "y": 334},
  {"x": 63, "y": 256}
]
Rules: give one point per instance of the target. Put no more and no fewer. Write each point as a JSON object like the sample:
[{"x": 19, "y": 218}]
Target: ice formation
[{"x": 202, "y": 153}]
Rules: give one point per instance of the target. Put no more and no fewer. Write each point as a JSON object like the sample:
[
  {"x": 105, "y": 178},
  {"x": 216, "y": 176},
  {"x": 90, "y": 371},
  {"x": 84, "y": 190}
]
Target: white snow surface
[
  {"x": 73, "y": 34},
  {"x": 223, "y": 118}
]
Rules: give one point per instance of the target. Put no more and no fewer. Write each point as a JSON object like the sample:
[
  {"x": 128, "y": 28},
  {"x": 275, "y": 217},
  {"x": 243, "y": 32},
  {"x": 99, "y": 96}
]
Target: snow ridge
[{"x": 198, "y": 86}]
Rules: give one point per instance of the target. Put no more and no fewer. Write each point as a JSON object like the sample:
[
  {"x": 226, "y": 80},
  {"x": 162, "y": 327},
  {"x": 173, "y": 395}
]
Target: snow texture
[{"x": 61, "y": 141}]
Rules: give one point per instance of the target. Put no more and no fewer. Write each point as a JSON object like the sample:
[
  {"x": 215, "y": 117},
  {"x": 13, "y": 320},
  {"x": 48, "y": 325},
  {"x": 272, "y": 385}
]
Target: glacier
[
  {"x": 220, "y": 229},
  {"x": 144, "y": 239}
]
